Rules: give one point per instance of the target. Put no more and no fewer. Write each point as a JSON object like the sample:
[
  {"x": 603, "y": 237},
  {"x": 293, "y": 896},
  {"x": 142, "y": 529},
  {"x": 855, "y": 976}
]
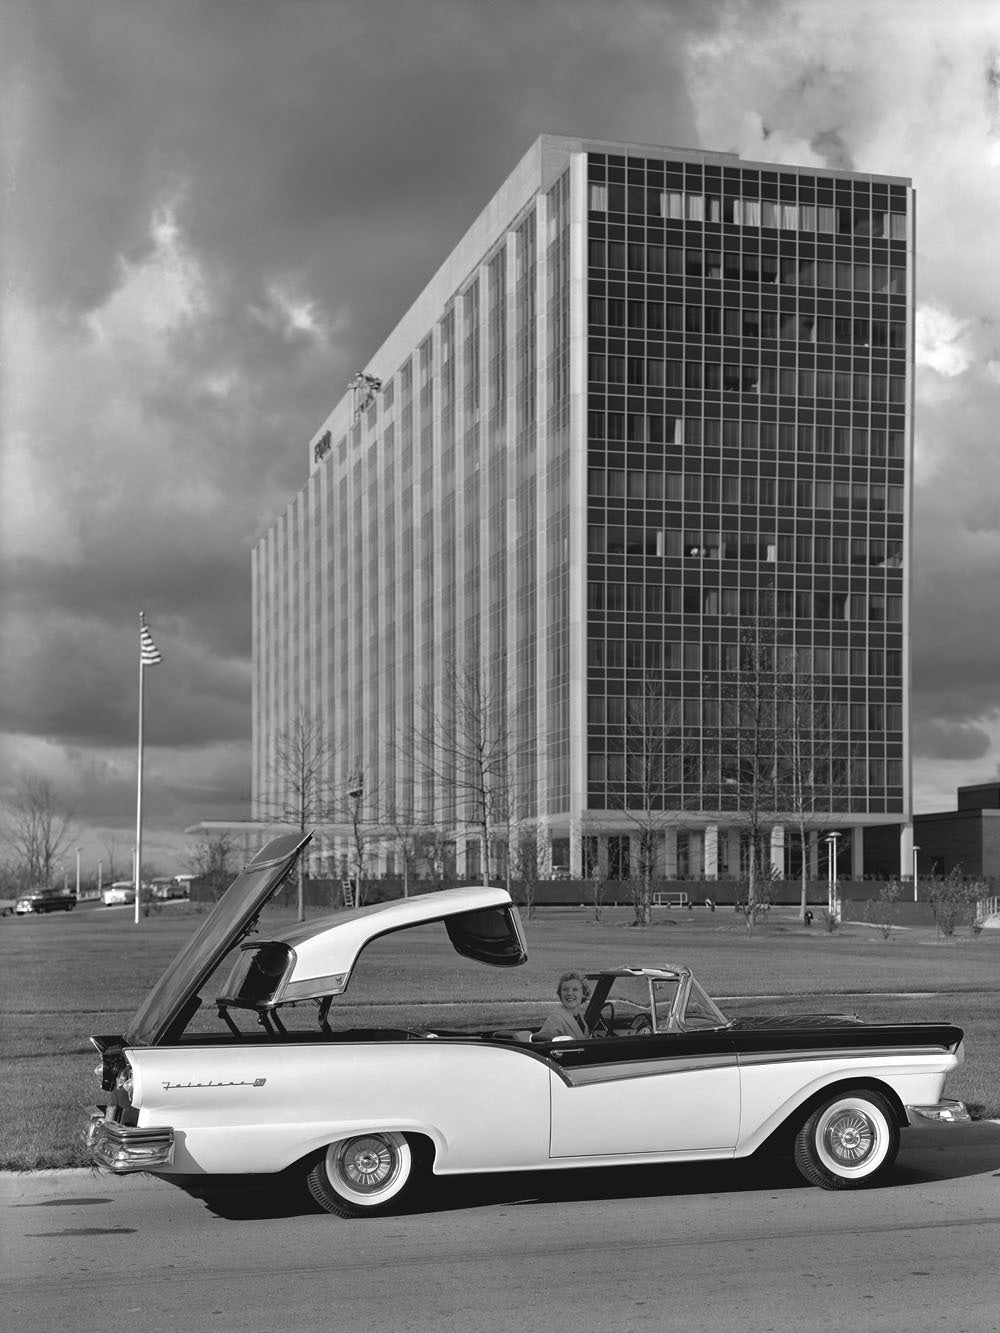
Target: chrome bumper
[
  {"x": 944, "y": 1112},
  {"x": 123, "y": 1148}
]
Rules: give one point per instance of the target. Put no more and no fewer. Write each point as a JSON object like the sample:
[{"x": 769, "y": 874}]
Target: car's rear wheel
[
  {"x": 365, "y": 1175},
  {"x": 849, "y": 1142}
]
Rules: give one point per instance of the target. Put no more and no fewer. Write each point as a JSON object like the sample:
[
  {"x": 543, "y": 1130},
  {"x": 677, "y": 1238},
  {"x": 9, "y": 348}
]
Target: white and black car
[
  {"x": 45, "y": 900},
  {"x": 366, "y": 1114}
]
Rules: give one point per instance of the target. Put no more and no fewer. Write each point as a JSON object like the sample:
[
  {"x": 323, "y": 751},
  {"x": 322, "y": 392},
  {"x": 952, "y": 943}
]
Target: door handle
[{"x": 567, "y": 1050}]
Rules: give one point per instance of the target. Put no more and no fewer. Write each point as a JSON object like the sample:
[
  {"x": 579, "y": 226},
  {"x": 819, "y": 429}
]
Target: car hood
[{"x": 170, "y": 1004}]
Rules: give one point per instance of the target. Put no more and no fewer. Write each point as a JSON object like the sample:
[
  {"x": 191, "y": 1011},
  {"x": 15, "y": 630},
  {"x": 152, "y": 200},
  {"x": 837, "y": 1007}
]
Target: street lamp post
[
  {"x": 831, "y": 847},
  {"x": 355, "y": 794},
  {"x": 78, "y": 851},
  {"x": 915, "y": 850}
]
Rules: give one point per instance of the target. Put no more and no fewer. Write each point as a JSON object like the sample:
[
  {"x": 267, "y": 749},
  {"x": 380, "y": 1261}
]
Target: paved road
[{"x": 715, "y": 1248}]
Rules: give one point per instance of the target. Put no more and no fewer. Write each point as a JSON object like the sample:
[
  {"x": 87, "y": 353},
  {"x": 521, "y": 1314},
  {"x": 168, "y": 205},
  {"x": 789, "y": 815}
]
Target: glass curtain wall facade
[{"x": 656, "y": 400}]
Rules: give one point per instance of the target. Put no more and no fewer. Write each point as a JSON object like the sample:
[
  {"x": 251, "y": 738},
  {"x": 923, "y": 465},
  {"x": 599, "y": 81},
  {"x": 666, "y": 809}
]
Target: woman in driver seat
[{"x": 567, "y": 1020}]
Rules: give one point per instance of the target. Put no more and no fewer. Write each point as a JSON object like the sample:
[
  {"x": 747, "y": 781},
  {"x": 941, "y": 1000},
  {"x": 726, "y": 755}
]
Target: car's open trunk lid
[{"x": 170, "y": 1004}]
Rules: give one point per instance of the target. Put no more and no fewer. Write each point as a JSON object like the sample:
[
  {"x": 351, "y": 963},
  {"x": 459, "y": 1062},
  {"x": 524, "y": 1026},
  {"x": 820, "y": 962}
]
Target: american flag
[{"x": 149, "y": 654}]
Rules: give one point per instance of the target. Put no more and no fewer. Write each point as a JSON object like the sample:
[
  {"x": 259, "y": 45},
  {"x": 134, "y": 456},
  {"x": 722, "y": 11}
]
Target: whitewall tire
[
  {"x": 849, "y": 1141},
  {"x": 364, "y": 1175}
]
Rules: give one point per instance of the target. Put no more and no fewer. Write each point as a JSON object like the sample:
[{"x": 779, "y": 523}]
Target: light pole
[
  {"x": 78, "y": 851},
  {"x": 915, "y": 850},
  {"x": 831, "y": 848},
  {"x": 100, "y": 877},
  {"x": 355, "y": 794}
]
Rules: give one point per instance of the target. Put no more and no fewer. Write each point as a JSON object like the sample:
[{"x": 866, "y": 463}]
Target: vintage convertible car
[{"x": 364, "y": 1113}]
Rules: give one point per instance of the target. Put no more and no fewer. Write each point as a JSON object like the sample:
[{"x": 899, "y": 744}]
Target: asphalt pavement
[{"x": 707, "y": 1248}]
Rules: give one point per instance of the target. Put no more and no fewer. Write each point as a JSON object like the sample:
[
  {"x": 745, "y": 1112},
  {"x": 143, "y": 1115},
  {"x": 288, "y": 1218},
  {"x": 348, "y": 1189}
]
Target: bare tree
[
  {"x": 213, "y": 859},
  {"x": 804, "y": 741},
  {"x": 881, "y": 911},
  {"x": 646, "y": 793},
  {"x": 113, "y": 847},
  {"x": 954, "y": 899},
  {"x": 595, "y": 870},
  {"x": 525, "y": 868},
  {"x": 401, "y": 839},
  {"x": 432, "y": 854},
  {"x": 463, "y": 751},
  {"x": 300, "y": 782},
  {"x": 38, "y": 828},
  {"x": 749, "y": 757},
  {"x": 361, "y": 807},
  {"x": 780, "y": 748}
]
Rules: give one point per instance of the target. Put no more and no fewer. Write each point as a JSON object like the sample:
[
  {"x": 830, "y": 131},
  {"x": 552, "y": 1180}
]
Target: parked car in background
[
  {"x": 257, "y": 1075},
  {"x": 167, "y": 886},
  {"x": 121, "y": 891},
  {"x": 45, "y": 900}
]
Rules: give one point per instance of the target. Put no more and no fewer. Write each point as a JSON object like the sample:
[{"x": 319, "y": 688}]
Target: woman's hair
[{"x": 573, "y": 976}]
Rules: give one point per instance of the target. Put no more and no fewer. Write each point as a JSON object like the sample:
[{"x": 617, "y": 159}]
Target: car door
[
  {"x": 645, "y": 1086},
  {"x": 662, "y": 1093}
]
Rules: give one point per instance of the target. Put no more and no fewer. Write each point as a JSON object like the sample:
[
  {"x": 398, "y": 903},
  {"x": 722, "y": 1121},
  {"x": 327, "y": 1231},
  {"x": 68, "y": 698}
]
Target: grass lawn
[{"x": 67, "y": 976}]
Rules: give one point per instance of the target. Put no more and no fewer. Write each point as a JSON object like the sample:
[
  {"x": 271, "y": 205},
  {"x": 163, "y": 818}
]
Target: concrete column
[
  {"x": 778, "y": 850},
  {"x": 670, "y": 853},
  {"x": 543, "y": 851},
  {"x": 906, "y": 852},
  {"x": 813, "y": 843},
  {"x": 858, "y": 853},
  {"x": 696, "y": 854},
  {"x": 733, "y": 835},
  {"x": 712, "y": 851},
  {"x": 603, "y": 859},
  {"x": 575, "y": 850}
]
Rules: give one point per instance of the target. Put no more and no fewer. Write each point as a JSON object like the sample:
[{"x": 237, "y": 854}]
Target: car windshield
[
  {"x": 700, "y": 1011},
  {"x": 630, "y": 1005}
]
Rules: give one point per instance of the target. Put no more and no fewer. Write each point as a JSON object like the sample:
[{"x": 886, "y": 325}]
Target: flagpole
[{"x": 137, "y": 869}]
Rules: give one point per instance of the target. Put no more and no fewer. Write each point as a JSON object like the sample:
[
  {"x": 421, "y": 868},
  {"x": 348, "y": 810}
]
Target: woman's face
[{"x": 571, "y": 994}]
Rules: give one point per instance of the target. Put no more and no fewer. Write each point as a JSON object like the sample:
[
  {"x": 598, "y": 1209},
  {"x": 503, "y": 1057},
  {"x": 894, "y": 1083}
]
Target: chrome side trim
[
  {"x": 585, "y": 1075},
  {"x": 835, "y": 1053}
]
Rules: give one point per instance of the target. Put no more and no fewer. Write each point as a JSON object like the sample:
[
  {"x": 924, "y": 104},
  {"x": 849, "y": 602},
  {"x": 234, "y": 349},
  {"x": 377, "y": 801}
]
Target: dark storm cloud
[
  {"x": 219, "y": 210},
  {"x": 72, "y": 680},
  {"x": 940, "y": 740},
  {"x": 101, "y": 791},
  {"x": 353, "y": 140},
  {"x": 956, "y": 559},
  {"x": 832, "y": 149}
]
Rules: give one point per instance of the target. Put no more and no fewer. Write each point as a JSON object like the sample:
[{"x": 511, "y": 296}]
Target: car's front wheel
[
  {"x": 849, "y": 1142},
  {"x": 364, "y": 1176}
]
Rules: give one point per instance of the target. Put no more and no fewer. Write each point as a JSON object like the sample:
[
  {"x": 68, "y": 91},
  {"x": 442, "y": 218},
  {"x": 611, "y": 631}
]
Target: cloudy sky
[{"x": 216, "y": 209}]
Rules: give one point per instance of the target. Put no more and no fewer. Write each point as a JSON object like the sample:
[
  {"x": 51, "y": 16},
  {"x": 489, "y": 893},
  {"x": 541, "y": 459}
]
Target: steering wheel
[
  {"x": 641, "y": 1026},
  {"x": 604, "y": 1023}
]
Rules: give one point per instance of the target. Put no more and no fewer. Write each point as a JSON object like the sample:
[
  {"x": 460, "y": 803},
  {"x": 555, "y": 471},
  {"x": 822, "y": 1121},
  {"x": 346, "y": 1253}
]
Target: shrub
[
  {"x": 881, "y": 911},
  {"x": 953, "y": 898}
]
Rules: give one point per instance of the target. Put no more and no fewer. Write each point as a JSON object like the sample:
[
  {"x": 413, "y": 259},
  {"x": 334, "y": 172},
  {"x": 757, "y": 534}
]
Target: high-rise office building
[{"x": 639, "y": 452}]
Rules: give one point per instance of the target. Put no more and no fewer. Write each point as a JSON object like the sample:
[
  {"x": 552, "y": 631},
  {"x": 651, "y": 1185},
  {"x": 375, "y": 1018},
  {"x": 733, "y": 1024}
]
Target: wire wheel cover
[
  {"x": 849, "y": 1138},
  {"x": 367, "y": 1165}
]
